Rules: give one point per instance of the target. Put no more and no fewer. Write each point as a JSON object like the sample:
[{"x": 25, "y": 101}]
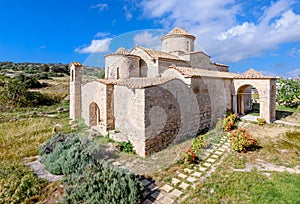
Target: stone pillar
[
  {"x": 272, "y": 100},
  {"x": 234, "y": 103},
  {"x": 75, "y": 90}
]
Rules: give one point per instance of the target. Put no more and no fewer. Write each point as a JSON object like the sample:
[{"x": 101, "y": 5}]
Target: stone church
[{"x": 154, "y": 98}]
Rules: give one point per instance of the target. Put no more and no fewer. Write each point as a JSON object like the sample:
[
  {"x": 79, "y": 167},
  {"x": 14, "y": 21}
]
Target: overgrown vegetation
[
  {"x": 16, "y": 93},
  {"x": 227, "y": 185},
  {"x": 247, "y": 187},
  {"x": 65, "y": 154},
  {"x": 20, "y": 139},
  {"x": 127, "y": 147},
  {"x": 36, "y": 69},
  {"x": 101, "y": 183},
  {"x": 18, "y": 184},
  {"x": 288, "y": 92},
  {"x": 80, "y": 159}
]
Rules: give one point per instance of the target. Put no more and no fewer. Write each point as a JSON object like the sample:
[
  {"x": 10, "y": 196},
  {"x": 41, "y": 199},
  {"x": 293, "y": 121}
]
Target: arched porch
[{"x": 266, "y": 90}]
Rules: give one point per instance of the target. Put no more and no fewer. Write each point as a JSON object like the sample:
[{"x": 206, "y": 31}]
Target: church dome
[
  {"x": 179, "y": 32},
  {"x": 121, "y": 51}
]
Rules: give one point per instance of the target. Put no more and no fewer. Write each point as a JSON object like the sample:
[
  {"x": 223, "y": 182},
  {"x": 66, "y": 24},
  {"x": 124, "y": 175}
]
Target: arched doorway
[
  {"x": 94, "y": 116},
  {"x": 248, "y": 100},
  {"x": 265, "y": 86}
]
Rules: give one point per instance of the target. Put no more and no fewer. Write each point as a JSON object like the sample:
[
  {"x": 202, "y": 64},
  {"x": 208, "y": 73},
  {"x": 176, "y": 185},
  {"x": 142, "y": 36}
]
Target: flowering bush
[
  {"x": 241, "y": 140},
  {"x": 189, "y": 156},
  {"x": 229, "y": 122},
  {"x": 261, "y": 121},
  {"x": 192, "y": 153}
]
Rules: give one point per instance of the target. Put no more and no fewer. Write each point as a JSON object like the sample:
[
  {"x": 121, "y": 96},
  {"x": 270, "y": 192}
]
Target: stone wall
[
  {"x": 129, "y": 117},
  {"x": 175, "y": 110},
  {"x": 149, "y": 68},
  {"x": 95, "y": 92},
  {"x": 266, "y": 95},
  {"x": 164, "y": 64},
  {"x": 162, "y": 118},
  {"x": 177, "y": 43},
  {"x": 121, "y": 66},
  {"x": 201, "y": 60}
]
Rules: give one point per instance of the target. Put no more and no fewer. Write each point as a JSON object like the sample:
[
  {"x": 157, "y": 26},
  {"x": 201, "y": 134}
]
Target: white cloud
[
  {"x": 268, "y": 73},
  {"x": 43, "y": 47},
  {"x": 294, "y": 52},
  {"x": 100, "y": 7},
  {"x": 240, "y": 30},
  {"x": 147, "y": 39},
  {"x": 218, "y": 30},
  {"x": 101, "y": 35},
  {"x": 96, "y": 46},
  {"x": 128, "y": 14},
  {"x": 294, "y": 74}
]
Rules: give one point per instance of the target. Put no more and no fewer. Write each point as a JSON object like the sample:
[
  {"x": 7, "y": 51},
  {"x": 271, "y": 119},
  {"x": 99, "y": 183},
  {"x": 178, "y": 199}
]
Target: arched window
[
  {"x": 118, "y": 73},
  {"x": 72, "y": 75}
]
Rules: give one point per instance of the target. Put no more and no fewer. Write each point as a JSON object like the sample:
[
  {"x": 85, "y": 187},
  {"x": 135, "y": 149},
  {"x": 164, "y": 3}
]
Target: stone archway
[
  {"x": 246, "y": 98},
  {"x": 265, "y": 87},
  {"x": 94, "y": 114}
]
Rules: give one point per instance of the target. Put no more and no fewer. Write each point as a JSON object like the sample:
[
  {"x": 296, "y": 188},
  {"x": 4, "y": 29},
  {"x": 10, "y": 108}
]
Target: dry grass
[{"x": 21, "y": 139}]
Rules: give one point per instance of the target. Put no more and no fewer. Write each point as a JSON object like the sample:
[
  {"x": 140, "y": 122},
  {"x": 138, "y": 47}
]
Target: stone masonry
[{"x": 154, "y": 98}]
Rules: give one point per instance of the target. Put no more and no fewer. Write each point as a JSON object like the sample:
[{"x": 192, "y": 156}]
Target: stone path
[
  {"x": 249, "y": 118},
  {"x": 175, "y": 191},
  {"x": 254, "y": 119},
  {"x": 40, "y": 171},
  {"x": 262, "y": 166},
  {"x": 167, "y": 193},
  {"x": 287, "y": 123}
]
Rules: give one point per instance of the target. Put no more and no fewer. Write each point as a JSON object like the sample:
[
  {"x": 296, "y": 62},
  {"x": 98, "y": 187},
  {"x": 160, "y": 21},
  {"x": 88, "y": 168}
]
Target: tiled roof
[
  {"x": 107, "y": 81},
  {"x": 76, "y": 64},
  {"x": 190, "y": 72},
  {"x": 253, "y": 74},
  {"x": 137, "y": 82},
  {"x": 143, "y": 82},
  {"x": 159, "y": 54},
  {"x": 121, "y": 51},
  {"x": 179, "y": 31}
]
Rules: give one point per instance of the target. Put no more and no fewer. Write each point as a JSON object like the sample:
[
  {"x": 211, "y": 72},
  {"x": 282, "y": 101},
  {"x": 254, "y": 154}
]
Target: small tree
[{"x": 288, "y": 92}]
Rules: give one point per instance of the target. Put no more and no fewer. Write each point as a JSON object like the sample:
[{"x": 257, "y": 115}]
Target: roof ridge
[{"x": 252, "y": 74}]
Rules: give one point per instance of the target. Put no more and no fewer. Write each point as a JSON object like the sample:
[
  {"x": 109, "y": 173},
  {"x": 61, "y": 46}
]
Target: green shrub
[
  {"x": 288, "y": 92},
  {"x": 100, "y": 183},
  {"x": 101, "y": 74},
  {"x": 241, "y": 140},
  {"x": 18, "y": 184},
  {"x": 126, "y": 147},
  {"x": 198, "y": 143},
  {"x": 65, "y": 154}
]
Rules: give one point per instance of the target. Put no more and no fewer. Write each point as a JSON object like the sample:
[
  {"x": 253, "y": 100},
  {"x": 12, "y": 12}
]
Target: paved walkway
[
  {"x": 287, "y": 123},
  {"x": 174, "y": 192},
  {"x": 254, "y": 119},
  {"x": 249, "y": 118}
]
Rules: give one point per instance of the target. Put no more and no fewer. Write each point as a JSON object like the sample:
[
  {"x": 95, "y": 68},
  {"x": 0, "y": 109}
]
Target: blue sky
[{"x": 259, "y": 34}]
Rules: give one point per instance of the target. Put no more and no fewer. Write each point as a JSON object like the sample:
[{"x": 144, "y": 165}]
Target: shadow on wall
[{"x": 164, "y": 100}]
